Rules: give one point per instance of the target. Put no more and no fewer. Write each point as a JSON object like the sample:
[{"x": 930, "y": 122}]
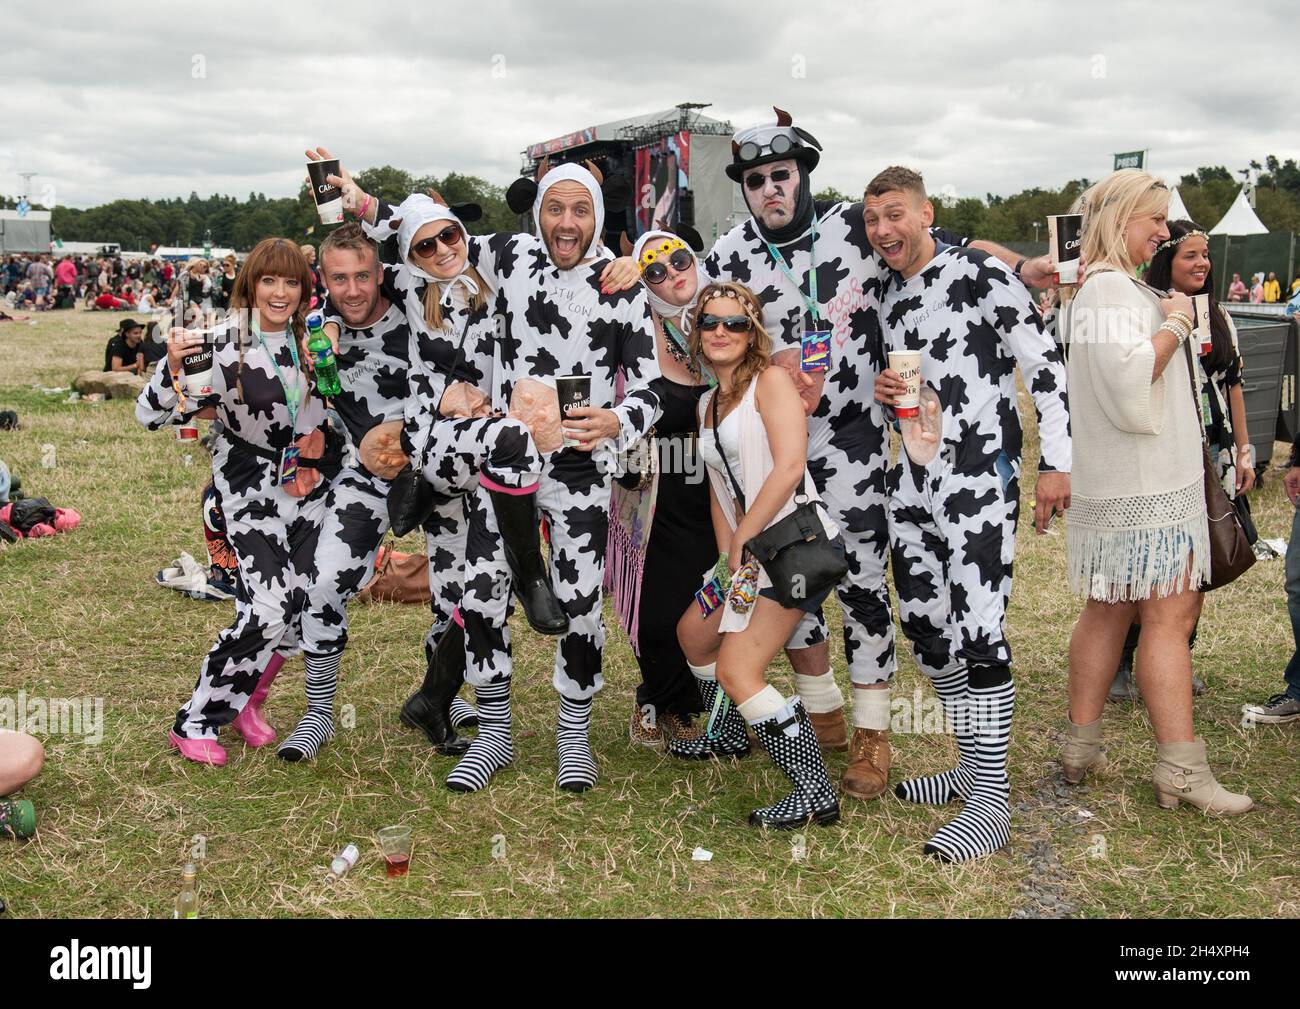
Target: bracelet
[
  {"x": 1181, "y": 329},
  {"x": 1019, "y": 266},
  {"x": 364, "y": 207},
  {"x": 1180, "y": 316}
]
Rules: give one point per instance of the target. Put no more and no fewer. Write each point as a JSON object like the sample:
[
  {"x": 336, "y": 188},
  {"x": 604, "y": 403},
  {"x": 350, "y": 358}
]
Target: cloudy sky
[{"x": 136, "y": 100}]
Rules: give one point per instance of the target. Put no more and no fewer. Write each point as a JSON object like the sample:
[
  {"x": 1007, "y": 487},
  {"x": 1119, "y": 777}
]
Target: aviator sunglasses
[
  {"x": 732, "y": 323},
  {"x": 449, "y": 236}
]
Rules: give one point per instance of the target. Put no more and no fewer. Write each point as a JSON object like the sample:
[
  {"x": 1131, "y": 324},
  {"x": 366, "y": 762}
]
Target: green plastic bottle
[
  {"x": 17, "y": 818},
  {"x": 322, "y": 353}
]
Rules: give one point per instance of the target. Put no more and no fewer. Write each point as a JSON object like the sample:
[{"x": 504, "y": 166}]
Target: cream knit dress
[{"x": 1137, "y": 509}]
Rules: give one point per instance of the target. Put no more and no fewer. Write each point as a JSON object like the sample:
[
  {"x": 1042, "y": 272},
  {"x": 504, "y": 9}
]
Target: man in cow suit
[
  {"x": 557, "y": 320},
  {"x": 955, "y": 492},
  {"x": 820, "y": 281}
]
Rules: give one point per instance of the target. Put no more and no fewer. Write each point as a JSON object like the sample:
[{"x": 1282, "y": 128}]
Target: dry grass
[{"x": 82, "y": 617}]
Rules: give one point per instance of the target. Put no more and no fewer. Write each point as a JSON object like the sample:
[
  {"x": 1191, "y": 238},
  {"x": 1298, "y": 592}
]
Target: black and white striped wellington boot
[{"x": 790, "y": 741}]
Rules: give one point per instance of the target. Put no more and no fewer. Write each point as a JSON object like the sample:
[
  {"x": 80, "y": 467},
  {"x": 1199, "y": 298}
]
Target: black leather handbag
[
  {"x": 801, "y": 561},
  {"x": 411, "y": 498}
]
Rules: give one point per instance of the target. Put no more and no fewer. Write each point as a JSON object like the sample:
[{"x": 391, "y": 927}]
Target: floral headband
[
  {"x": 1174, "y": 242},
  {"x": 664, "y": 249}
]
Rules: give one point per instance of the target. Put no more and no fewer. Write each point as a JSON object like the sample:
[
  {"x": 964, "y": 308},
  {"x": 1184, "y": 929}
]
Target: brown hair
[
  {"x": 896, "y": 178},
  {"x": 350, "y": 236},
  {"x": 433, "y": 299},
  {"x": 759, "y": 353},
  {"x": 273, "y": 257}
]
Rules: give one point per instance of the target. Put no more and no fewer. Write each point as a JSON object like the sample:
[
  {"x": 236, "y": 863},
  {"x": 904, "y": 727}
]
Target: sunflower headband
[
  {"x": 661, "y": 251},
  {"x": 1174, "y": 242}
]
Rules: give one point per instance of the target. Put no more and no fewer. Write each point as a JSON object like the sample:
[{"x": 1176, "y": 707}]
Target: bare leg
[
  {"x": 1164, "y": 664},
  {"x": 744, "y": 656},
  {"x": 1095, "y": 649}
]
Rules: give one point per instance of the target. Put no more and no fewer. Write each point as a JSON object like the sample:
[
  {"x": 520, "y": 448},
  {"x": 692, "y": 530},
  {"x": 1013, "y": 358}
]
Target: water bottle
[{"x": 322, "y": 354}]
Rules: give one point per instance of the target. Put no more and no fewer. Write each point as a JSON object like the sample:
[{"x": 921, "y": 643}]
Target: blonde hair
[
  {"x": 433, "y": 299},
  {"x": 759, "y": 352},
  {"x": 1108, "y": 207}
]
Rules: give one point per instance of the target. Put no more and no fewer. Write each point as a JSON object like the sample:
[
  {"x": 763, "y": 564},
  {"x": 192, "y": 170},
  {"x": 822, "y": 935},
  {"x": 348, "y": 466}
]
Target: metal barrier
[{"x": 1270, "y": 374}]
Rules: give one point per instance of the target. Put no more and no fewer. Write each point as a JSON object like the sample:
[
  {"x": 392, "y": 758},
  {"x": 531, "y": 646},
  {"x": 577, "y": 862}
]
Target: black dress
[{"x": 682, "y": 546}]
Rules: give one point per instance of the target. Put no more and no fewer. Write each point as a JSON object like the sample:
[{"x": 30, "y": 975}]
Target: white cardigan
[
  {"x": 755, "y": 466},
  {"x": 1137, "y": 494}
]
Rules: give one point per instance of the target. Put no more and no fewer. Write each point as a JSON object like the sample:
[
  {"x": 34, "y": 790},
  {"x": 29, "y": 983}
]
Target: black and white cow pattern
[
  {"x": 558, "y": 323},
  {"x": 953, "y": 522},
  {"x": 847, "y": 434},
  {"x": 274, "y": 535}
]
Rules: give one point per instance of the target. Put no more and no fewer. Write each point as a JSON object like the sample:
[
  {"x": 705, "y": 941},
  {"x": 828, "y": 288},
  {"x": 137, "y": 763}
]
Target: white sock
[
  {"x": 871, "y": 709},
  {"x": 821, "y": 694},
  {"x": 709, "y": 672},
  {"x": 762, "y": 706}
]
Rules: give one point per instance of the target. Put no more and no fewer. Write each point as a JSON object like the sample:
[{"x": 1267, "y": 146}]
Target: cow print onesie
[
  {"x": 556, "y": 322},
  {"x": 953, "y": 520},
  {"x": 274, "y": 534},
  {"x": 847, "y": 436}
]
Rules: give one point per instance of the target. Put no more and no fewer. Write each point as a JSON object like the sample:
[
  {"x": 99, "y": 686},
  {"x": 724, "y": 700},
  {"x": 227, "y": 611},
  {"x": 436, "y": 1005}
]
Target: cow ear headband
[
  {"x": 687, "y": 237},
  {"x": 522, "y": 193},
  {"x": 465, "y": 211}
]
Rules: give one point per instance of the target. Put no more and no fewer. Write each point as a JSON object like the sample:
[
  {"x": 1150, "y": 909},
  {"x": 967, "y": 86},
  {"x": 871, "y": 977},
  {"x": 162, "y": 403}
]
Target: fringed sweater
[{"x": 1137, "y": 511}]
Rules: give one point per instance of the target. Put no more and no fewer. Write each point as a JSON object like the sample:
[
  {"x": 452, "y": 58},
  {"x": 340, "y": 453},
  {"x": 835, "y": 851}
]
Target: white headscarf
[
  {"x": 573, "y": 173},
  {"x": 666, "y": 309},
  {"x": 415, "y": 212}
]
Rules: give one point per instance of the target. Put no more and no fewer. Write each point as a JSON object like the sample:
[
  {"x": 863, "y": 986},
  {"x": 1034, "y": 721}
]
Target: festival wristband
[{"x": 361, "y": 214}]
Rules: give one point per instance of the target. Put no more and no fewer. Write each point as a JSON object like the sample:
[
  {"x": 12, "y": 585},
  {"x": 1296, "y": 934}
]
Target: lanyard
[
  {"x": 810, "y": 300},
  {"x": 678, "y": 338},
  {"x": 291, "y": 395}
]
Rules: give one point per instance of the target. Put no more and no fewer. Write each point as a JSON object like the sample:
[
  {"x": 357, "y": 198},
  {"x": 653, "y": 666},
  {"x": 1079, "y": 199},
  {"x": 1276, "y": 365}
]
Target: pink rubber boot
[
  {"x": 201, "y": 751},
  {"x": 249, "y": 723}
]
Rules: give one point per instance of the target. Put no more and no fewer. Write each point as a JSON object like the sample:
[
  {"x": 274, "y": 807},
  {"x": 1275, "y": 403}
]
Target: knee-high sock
[
  {"x": 948, "y": 786},
  {"x": 577, "y": 768},
  {"x": 984, "y": 824},
  {"x": 316, "y": 728},
  {"x": 492, "y": 748}
]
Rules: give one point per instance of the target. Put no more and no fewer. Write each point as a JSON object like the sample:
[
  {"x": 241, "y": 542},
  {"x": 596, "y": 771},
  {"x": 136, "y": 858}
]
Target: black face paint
[{"x": 800, "y": 221}]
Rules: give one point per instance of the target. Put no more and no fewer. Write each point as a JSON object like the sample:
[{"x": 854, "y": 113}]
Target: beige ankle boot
[
  {"x": 1183, "y": 775},
  {"x": 1082, "y": 750}
]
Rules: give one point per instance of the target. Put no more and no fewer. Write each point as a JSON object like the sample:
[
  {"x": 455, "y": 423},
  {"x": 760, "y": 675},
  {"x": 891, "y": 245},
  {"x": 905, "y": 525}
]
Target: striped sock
[
  {"x": 957, "y": 783},
  {"x": 317, "y": 726},
  {"x": 492, "y": 748},
  {"x": 577, "y": 770},
  {"x": 463, "y": 715},
  {"x": 984, "y": 824}
]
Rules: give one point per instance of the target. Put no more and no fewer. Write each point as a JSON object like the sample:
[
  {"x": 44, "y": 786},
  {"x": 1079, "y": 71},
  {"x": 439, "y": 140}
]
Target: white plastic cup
[
  {"x": 1201, "y": 322},
  {"x": 329, "y": 199},
  {"x": 908, "y": 365},
  {"x": 1064, "y": 242}
]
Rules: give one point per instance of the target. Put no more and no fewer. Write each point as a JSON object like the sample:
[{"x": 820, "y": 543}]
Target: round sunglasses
[
  {"x": 449, "y": 236},
  {"x": 657, "y": 273}
]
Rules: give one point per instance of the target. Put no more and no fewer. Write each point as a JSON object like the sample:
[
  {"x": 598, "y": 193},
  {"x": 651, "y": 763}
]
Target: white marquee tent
[{"x": 1240, "y": 219}]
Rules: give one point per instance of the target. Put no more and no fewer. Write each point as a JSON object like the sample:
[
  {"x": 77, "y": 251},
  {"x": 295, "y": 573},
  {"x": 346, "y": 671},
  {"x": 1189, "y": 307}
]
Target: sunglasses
[
  {"x": 732, "y": 323},
  {"x": 758, "y": 179},
  {"x": 781, "y": 144},
  {"x": 449, "y": 236},
  {"x": 657, "y": 273}
]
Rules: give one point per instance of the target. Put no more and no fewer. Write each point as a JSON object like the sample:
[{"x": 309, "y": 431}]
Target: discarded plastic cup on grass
[{"x": 395, "y": 842}]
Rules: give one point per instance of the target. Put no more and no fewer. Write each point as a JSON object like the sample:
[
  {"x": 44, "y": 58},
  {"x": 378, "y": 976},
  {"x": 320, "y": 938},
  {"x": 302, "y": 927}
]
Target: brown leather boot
[
  {"x": 829, "y": 727},
  {"x": 867, "y": 775}
]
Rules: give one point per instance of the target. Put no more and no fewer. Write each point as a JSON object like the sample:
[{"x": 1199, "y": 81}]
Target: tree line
[{"x": 240, "y": 224}]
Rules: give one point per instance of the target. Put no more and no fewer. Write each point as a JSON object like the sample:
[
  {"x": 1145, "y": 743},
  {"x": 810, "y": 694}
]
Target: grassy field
[{"x": 80, "y": 616}]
